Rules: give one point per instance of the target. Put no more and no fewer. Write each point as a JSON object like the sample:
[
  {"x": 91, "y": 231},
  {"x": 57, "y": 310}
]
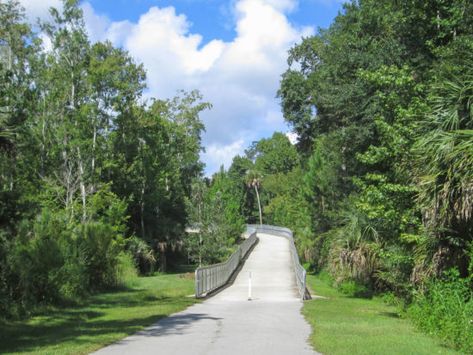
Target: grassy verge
[
  {"x": 343, "y": 325},
  {"x": 101, "y": 320}
]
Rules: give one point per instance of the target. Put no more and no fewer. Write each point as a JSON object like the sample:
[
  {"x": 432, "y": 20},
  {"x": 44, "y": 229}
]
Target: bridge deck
[{"x": 230, "y": 324}]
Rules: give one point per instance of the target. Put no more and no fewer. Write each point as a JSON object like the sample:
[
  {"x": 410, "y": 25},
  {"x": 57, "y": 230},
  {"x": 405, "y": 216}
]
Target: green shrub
[
  {"x": 127, "y": 274},
  {"x": 445, "y": 309},
  {"x": 99, "y": 249},
  {"x": 36, "y": 259},
  {"x": 353, "y": 289},
  {"x": 52, "y": 260},
  {"x": 321, "y": 251},
  {"x": 143, "y": 255},
  {"x": 73, "y": 280},
  {"x": 5, "y": 277}
]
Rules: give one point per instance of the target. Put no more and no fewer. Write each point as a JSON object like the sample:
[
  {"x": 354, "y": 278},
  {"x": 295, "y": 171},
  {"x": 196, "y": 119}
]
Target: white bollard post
[{"x": 249, "y": 286}]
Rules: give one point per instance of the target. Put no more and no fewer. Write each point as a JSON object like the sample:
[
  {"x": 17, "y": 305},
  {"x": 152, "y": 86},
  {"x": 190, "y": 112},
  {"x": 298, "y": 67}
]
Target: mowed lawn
[
  {"x": 344, "y": 325},
  {"x": 101, "y": 320}
]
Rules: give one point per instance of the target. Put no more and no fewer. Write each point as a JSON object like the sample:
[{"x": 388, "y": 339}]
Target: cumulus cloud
[
  {"x": 96, "y": 25},
  {"x": 239, "y": 77},
  {"x": 220, "y": 154},
  {"x": 39, "y": 9},
  {"x": 173, "y": 57}
]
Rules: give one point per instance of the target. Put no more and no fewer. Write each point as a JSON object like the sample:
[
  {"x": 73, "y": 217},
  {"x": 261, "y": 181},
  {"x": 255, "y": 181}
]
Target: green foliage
[
  {"x": 445, "y": 309},
  {"x": 382, "y": 104},
  {"x": 127, "y": 274},
  {"x": 36, "y": 259},
  {"x": 217, "y": 224},
  {"x": 325, "y": 181},
  {"x": 354, "y": 252},
  {"x": 99, "y": 248},
  {"x": 143, "y": 255},
  {"x": 86, "y": 165},
  {"x": 353, "y": 289},
  {"x": 54, "y": 263},
  {"x": 274, "y": 155},
  {"x": 445, "y": 155}
]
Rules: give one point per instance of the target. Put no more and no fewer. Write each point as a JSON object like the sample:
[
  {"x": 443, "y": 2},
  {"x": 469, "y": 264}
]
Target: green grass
[
  {"x": 343, "y": 325},
  {"x": 101, "y": 320}
]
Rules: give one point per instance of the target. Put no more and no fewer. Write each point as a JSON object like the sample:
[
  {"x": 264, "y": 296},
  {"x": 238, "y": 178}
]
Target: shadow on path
[
  {"x": 90, "y": 323},
  {"x": 173, "y": 325}
]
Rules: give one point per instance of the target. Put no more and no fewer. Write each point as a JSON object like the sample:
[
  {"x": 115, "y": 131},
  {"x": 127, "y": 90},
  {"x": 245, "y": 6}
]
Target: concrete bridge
[{"x": 229, "y": 323}]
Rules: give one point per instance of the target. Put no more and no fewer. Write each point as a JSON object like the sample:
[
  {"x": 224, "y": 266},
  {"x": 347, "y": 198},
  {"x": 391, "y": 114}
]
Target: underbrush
[
  {"x": 353, "y": 289},
  {"x": 52, "y": 262},
  {"x": 445, "y": 309}
]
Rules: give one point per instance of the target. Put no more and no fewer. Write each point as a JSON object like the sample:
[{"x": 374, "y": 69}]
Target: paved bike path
[{"x": 228, "y": 323}]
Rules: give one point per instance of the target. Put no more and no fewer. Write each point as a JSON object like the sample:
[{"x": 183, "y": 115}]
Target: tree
[
  {"x": 91, "y": 175},
  {"x": 444, "y": 154},
  {"x": 253, "y": 180},
  {"x": 216, "y": 222},
  {"x": 356, "y": 94}
]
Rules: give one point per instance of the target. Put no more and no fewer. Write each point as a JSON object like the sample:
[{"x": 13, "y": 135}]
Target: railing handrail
[
  {"x": 211, "y": 277},
  {"x": 215, "y": 265}
]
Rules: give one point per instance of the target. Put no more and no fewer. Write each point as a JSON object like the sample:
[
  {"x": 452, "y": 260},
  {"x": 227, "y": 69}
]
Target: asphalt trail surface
[{"x": 228, "y": 323}]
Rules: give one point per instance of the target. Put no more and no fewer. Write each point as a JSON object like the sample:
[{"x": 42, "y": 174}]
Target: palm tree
[
  {"x": 445, "y": 156},
  {"x": 253, "y": 180}
]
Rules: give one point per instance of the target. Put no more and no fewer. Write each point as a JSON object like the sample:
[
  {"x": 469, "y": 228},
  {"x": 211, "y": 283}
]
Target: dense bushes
[
  {"x": 52, "y": 262},
  {"x": 445, "y": 308}
]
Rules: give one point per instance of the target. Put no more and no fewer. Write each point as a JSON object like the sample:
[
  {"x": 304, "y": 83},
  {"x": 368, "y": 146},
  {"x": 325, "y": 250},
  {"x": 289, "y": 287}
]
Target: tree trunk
[
  {"x": 142, "y": 210},
  {"x": 43, "y": 145},
  {"x": 200, "y": 249},
  {"x": 259, "y": 206},
  {"x": 162, "y": 257},
  {"x": 83, "y": 192},
  {"x": 94, "y": 144}
]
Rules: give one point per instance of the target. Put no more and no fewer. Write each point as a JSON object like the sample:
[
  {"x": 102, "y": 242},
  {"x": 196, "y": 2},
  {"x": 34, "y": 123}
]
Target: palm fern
[
  {"x": 445, "y": 156},
  {"x": 354, "y": 252}
]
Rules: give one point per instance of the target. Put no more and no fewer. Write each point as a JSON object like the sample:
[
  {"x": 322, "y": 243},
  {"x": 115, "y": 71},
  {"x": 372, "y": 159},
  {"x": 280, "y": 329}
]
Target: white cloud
[
  {"x": 171, "y": 55},
  {"x": 96, "y": 25},
  {"x": 330, "y": 2},
  {"x": 293, "y": 137},
  {"x": 239, "y": 77},
  {"x": 39, "y": 8},
  {"x": 218, "y": 155}
]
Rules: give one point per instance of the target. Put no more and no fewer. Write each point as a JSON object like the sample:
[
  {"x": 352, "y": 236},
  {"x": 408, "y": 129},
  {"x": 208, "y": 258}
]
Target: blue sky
[
  {"x": 213, "y": 18},
  {"x": 233, "y": 51}
]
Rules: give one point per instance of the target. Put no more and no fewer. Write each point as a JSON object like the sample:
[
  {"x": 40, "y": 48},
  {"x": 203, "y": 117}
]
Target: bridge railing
[
  {"x": 212, "y": 277},
  {"x": 298, "y": 269}
]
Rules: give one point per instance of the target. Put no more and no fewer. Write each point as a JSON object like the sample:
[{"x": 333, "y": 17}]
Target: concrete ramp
[
  {"x": 228, "y": 323},
  {"x": 272, "y": 273}
]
